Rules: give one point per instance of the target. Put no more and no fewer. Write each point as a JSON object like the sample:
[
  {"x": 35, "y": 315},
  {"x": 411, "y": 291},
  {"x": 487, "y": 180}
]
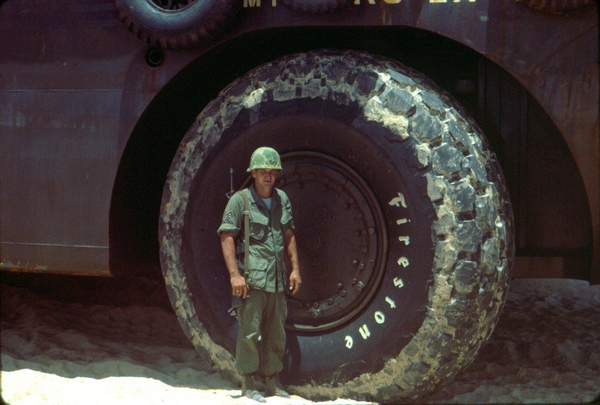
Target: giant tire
[
  {"x": 403, "y": 220},
  {"x": 192, "y": 24}
]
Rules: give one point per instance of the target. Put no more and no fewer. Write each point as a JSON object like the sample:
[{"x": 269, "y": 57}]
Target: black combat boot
[
  {"x": 274, "y": 387},
  {"x": 249, "y": 389}
]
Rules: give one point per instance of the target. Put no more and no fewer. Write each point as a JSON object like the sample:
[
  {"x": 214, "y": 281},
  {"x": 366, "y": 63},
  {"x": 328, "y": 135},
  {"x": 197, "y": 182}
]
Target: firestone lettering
[
  {"x": 398, "y": 201},
  {"x": 379, "y": 315},
  {"x": 349, "y": 342}
]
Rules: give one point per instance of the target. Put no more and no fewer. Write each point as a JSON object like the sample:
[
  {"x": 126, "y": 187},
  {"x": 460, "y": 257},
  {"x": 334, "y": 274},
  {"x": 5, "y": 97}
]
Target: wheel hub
[{"x": 341, "y": 240}]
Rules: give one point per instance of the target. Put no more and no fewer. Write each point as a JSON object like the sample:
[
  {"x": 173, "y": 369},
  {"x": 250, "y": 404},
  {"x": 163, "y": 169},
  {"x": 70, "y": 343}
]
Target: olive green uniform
[{"x": 264, "y": 311}]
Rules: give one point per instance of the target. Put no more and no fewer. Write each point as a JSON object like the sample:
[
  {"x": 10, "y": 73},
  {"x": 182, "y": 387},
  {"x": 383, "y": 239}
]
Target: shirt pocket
[
  {"x": 257, "y": 276},
  {"x": 259, "y": 226}
]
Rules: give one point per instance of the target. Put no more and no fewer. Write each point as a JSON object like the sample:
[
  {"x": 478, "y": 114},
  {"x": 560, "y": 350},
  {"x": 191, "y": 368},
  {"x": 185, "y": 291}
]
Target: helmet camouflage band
[{"x": 265, "y": 158}]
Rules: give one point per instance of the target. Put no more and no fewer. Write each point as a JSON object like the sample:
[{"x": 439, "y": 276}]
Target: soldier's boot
[
  {"x": 249, "y": 389},
  {"x": 274, "y": 387}
]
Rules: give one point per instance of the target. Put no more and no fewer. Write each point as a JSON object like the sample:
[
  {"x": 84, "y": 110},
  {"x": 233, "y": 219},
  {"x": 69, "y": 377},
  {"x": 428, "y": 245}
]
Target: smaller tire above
[{"x": 178, "y": 24}]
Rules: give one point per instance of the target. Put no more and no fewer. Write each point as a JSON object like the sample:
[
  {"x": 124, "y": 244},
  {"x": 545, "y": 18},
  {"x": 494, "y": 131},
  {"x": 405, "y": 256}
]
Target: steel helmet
[{"x": 265, "y": 158}]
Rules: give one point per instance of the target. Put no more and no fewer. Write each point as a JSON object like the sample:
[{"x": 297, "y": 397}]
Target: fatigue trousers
[{"x": 262, "y": 315}]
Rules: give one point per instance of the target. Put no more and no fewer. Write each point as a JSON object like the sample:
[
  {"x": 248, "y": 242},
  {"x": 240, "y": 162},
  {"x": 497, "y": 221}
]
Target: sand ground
[{"x": 118, "y": 342}]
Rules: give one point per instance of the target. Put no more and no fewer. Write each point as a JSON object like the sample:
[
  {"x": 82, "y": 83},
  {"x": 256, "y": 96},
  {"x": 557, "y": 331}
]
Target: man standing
[{"x": 262, "y": 285}]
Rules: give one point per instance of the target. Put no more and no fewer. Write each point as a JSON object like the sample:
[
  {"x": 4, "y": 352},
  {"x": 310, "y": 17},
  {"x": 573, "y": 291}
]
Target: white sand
[{"x": 105, "y": 343}]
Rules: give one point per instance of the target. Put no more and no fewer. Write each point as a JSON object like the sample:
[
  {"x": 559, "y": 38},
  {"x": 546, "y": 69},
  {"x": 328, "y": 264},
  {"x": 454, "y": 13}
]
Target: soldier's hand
[
  {"x": 295, "y": 282},
  {"x": 239, "y": 287}
]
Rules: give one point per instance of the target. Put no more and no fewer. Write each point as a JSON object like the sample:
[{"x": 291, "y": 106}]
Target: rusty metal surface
[{"x": 74, "y": 84}]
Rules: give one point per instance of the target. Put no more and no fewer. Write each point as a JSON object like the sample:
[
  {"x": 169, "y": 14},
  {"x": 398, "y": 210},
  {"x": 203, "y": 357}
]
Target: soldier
[{"x": 262, "y": 285}]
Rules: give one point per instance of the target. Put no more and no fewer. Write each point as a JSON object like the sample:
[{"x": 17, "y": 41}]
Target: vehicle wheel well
[{"x": 453, "y": 66}]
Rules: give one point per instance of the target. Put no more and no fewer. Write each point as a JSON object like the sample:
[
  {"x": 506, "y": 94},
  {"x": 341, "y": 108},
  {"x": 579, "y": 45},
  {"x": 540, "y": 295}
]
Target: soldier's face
[{"x": 265, "y": 178}]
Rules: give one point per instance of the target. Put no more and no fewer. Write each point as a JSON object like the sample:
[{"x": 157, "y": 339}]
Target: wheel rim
[{"x": 334, "y": 204}]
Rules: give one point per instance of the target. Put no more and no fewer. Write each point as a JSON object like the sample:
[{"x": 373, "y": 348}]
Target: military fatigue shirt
[{"x": 267, "y": 266}]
